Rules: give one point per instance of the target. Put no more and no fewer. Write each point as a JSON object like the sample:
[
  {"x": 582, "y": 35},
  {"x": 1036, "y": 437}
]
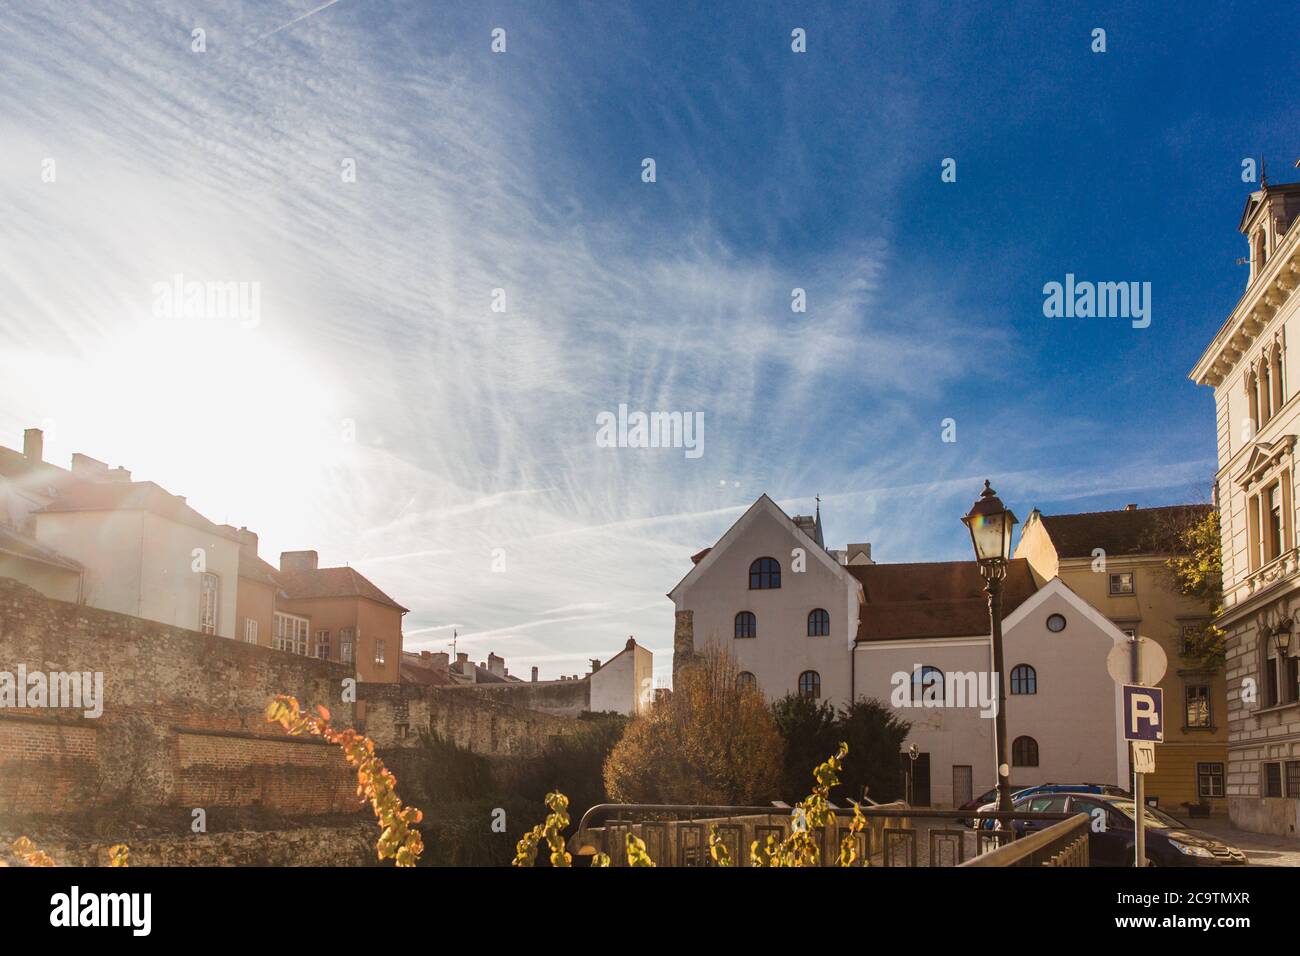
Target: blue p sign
[{"x": 1143, "y": 713}]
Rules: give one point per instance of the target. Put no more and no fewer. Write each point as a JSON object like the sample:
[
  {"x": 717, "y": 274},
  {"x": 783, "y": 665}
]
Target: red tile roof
[
  {"x": 331, "y": 583},
  {"x": 941, "y": 599},
  {"x": 1140, "y": 531}
]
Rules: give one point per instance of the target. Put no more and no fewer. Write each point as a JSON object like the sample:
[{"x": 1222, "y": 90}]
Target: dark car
[
  {"x": 1169, "y": 841},
  {"x": 988, "y": 801}
]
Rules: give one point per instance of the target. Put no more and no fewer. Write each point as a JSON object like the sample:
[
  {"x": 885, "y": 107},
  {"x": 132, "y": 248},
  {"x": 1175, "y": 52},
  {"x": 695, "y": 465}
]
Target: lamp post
[{"x": 990, "y": 525}]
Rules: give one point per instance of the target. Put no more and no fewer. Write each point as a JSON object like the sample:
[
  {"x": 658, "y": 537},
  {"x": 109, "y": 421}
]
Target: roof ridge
[{"x": 1125, "y": 511}]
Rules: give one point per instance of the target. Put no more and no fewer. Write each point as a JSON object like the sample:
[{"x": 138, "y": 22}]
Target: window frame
[
  {"x": 823, "y": 623},
  {"x": 1029, "y": 679},
  {"x": 1020, "y": 751},
  {"x": 209, "y": 600},
  {"x": 749, "y": 622},
  {"x": 1205, "y": 773},
  {"x": 1207, "y": 722},
  {"x": 1110, "y": 583},
  {"x": 814, "y": 683},
  {"x": 760, "y": 572},
  {"x": 919, "y": 685}
]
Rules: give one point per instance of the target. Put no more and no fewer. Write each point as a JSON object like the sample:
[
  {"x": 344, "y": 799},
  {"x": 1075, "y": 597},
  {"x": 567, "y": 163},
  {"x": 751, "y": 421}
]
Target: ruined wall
[
  {"x": 565, "y": 698},
  {"x": 396, "y": 713},
  {"x": 182, "y": 721}
]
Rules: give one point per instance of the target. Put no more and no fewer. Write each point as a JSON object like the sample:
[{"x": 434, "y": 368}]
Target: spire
[{"x": 817, "y": 521}]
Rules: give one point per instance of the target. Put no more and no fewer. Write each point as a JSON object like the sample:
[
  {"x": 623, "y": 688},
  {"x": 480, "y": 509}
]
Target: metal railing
[
  {"x": 1062, "y": 844},
  {"x": 895, "y": 835}
]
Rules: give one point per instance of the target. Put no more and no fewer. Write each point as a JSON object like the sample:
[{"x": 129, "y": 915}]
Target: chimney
[
  {"x": 248, "y": 542},
  {"x": 299, "y": 560},
  {"x": 439, "y": 659},
  {"x": 631, "y": 643},
  {"x": 595, "y": 664},
  {"x": 860, "y": 553},
  {"x": 534, "y": 674},
  {"x": 91, "y": 469},
  {"x": 33, "y": 444},
  {"x": 117, "y": 474},
  {"x": 425, "y": 657},
  {"x": 1130, "y": 507},
  {"x": 496, "y": 665},
  {"x": 462, "y": 658}
]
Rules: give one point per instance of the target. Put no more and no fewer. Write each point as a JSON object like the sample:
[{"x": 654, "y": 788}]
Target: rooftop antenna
[
  {"x": 452, "y": 643},
  {"x": 1263, "y": 172}
]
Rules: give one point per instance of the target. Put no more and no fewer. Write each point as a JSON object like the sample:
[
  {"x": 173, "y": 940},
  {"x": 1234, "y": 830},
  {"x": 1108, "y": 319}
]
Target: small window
[
  {"x": 1209, "y": 779},
  {"x": 1024, "y": 679},
  {"x": 1293, "y": 778},
  {"x": 764, "y": 573},
  {"x": 746, "y": 624},
  {"x": 1198, "y": 705},
  {"x": 1189, "y": 635},
  {"x": 1121, "y": 583},
  {"x": 927, "y": 684},
  {"x": 379, "y": 652},
  {"x": 347, "y": 637},
  {"x": 209, "y": 587},
  {"x": 250, "y": 631},
  {"x": 819, "y": 624},
  {"x": 403, "y": 730},
  {"x": 1024, "y": 752},
  {"x": 323, "y": 645},
  {"x": 746, "y": 679},
  {"x": 810, "y": 685},
  {"x": 1056, "y": 623},
  {"x": 1272, "y": 780}
]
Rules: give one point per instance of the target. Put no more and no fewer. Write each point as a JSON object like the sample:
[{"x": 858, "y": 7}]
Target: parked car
[
  {"x": 991, "y": 803},
  {"x": 1169, "y": 841}
]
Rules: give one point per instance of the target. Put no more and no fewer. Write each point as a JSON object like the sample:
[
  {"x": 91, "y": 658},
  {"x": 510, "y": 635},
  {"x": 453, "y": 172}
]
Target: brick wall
[{"x": 182, "y": 721}]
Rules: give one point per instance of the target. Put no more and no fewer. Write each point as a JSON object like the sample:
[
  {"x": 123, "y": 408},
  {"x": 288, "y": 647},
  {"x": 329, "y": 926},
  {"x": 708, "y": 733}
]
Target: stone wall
[
  {"x": 396, "y": 713},
  {"x": 565, "y": 698},
  {"x": 182, "y": 721}
]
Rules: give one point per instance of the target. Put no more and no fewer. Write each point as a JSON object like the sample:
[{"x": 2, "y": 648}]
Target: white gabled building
[{"x": 837, "y": 627}]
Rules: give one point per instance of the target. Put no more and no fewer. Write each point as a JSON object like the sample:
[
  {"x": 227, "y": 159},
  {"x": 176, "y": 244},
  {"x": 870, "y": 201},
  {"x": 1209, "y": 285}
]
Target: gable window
[
  {"x": 1121, "y": 583},
  {"x": 810, "y": 685},
  {"x": 1209, "y": 779},
  {"x": 927, "y": 684},
  {"x": 746, "y": 624},
  {"x": 1198, "y": 705},
  {"x": 1024, "y": 752},
  {"x": 764, "y": 573},
  {"x": 323, "y": 645},
  {"x": 819, "y": 624},
  {"x": 1024, "y": 679}
]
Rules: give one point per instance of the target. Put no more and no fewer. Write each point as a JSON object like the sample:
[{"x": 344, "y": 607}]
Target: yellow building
[{"x": 1115, "y": 560}]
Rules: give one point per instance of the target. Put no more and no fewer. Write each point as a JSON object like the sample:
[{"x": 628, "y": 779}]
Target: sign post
[{"x": 1143, "y": 663}]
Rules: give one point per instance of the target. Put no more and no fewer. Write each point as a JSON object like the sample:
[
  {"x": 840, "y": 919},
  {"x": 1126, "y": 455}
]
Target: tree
[
  {"x": 807, "y": 729},
  {"x": 1196, "y": 568},
  {"x": 810, "y": 729},
  {"x": 714, "y": 742}
]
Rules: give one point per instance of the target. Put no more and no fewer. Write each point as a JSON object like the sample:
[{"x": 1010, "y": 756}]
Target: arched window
[
  {"x": 1265, "y": 392},
  {"x": 810, "y": 685},
  {"x": 1252, "y": 398},
  {"x": 819, "y": 624},
  {"x": 747, "y": 679},
  {"x": 746, "y": 624},
  {"x": 927, "y": 684},
  {"x": 1024, "y": 752},
  {"x": 1024, "y": 679},
  {"x": 1279, "y": 385},
  {"x": 764, "y": 573}
]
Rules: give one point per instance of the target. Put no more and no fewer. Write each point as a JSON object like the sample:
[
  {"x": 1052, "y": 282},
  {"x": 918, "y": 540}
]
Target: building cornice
[{"x": 1259, "y": 304}]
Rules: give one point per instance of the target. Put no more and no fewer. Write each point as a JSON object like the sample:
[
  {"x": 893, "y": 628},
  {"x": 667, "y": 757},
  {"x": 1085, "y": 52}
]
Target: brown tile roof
[
  {"x": 699, "y": 556},
  {"x": 414, "y": 672},
  {"x": 255, "y": 569},
  {"x": 134, "y": 496},
  {"x": 1140, "y": 531},
  {"x": 330, "y": 583},
  {"x": 941, "y": 599}
]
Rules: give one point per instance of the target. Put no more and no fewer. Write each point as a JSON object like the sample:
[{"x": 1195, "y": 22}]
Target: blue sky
[{"x": 382, "y": 413}]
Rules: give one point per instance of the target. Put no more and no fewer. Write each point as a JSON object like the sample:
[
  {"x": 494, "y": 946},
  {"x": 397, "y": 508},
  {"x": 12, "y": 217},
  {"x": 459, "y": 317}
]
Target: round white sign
[{"x": 1152, "y": 662}]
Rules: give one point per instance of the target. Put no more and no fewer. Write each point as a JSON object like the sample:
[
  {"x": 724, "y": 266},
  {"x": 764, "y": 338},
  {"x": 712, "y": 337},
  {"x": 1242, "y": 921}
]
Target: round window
[{"x": 1055, "y": 623}]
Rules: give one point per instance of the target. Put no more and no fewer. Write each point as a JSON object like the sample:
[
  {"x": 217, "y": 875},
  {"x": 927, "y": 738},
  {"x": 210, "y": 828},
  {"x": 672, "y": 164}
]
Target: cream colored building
[
  {"x": 1115, "y": 560},
  {"x": 1257, "y": 418}
]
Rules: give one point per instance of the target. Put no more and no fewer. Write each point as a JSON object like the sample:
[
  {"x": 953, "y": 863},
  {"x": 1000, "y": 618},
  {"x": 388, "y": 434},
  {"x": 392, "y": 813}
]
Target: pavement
[{"x": 1261, "y": 849}]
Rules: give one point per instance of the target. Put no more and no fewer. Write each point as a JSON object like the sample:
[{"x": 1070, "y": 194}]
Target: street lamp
[
  {"x": 990, "y": 524},
  {"x": 1282, "y": 638}
]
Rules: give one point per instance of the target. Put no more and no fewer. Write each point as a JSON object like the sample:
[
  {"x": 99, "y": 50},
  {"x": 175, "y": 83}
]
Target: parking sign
[{"x": 1143, "y": 713}]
